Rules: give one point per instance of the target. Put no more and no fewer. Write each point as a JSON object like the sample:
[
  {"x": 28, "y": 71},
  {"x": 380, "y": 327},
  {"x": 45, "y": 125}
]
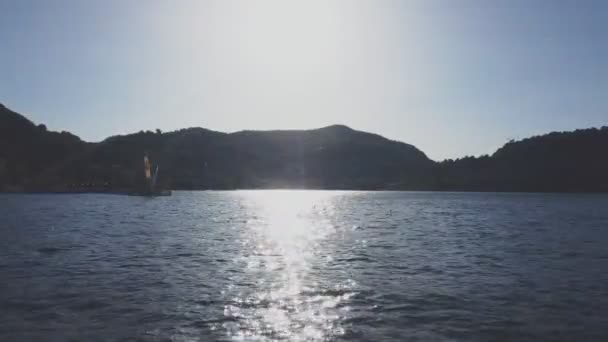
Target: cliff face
[{"x": 334, "y": 157}]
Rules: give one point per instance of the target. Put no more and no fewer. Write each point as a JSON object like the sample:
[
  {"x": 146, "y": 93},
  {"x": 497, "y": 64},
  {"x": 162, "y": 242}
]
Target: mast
[{"x": 154, "y": 178}]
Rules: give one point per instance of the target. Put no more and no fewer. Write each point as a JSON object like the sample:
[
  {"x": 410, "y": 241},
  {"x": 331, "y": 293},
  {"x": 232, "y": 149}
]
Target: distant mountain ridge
[{"x": 334, "y": 157}]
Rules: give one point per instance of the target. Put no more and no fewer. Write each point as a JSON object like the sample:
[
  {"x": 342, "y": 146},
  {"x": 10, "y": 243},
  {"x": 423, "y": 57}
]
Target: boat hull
[{"x": 151, "y": 193}]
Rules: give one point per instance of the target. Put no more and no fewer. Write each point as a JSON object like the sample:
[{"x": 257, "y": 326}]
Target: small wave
[
  {"x": 206, "y": 302},
  {"x": 26, "y": 305},
  {"x": 89, "y": 305},
  {"x": 185, "y": 255},
  {"x": 205, "y": 323},
  {"x": 250, "y": 303},
  {"x": 355, "y": 259},
  {"x": 328, "y": 293},
  {"x": 429, "y": 269},
  {"x": 49, "y": 250},
  {"x": 571, "y": 254},
  {"x": 134, "y": 265},
  {"x": 387, "y": 246}
]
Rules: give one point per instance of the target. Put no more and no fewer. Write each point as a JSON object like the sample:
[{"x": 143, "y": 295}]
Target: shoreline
[{"x": 130, "y": 192}]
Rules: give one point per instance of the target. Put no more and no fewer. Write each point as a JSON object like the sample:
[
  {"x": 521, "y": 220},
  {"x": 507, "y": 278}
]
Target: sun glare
[
  {"x": 286, "y": 233},
  {"x": 289, "y": 35}
]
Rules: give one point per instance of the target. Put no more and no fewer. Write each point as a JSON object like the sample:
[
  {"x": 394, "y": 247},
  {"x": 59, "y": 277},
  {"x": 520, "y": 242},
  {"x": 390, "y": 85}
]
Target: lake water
[{"x": 304, "y": 266}]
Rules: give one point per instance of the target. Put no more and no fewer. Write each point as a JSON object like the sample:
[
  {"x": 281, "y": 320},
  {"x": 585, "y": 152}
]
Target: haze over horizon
[{"x": 451, "y": 79}]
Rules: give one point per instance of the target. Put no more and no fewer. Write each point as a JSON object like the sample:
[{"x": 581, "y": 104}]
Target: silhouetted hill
[
  {"x": 560, "y": 161},
  {"x": 28, "y": 152},
  {"x": 333, "y": 157}
]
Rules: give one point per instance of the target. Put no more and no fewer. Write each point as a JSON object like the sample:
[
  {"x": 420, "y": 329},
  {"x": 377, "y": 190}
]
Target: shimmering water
[{"x": 304, "y": 266}]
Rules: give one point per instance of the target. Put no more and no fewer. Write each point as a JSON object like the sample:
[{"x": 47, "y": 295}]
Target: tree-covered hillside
[{"x": 335, "y": 157}]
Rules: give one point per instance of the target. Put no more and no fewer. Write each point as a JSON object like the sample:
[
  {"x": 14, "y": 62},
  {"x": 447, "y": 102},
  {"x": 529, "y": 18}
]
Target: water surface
[{"x": 304, "y": 266}]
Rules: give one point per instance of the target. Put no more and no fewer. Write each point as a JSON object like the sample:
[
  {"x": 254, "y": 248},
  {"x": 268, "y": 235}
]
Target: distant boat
[{"x": 151, "y": 187}]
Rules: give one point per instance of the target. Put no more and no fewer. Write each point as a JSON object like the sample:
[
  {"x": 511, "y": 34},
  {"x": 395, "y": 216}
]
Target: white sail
[{"x": 147, "y": 168}]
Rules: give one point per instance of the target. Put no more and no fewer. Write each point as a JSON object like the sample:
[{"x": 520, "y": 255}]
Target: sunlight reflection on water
[
  {"x": 294, "y": 266},
  {"x": 284, "y": 242}
]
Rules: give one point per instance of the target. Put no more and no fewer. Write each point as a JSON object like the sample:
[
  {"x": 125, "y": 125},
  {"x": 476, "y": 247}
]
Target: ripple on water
[{"x": 304, "y": 266}]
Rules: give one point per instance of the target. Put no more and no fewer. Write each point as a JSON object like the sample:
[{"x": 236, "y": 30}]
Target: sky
[{"x": 452, "y": 77}]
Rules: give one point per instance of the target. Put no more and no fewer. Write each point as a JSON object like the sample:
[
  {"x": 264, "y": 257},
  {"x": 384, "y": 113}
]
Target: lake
[{"x": 304, "y": 266}]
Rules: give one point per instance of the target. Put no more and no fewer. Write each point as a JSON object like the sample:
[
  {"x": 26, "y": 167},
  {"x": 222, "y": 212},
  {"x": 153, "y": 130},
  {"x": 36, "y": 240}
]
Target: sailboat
[{"x": 151, "y": 187}]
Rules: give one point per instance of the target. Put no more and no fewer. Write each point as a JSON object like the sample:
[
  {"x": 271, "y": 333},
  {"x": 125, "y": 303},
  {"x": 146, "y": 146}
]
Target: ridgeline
[{"x": 33, "y": 159}]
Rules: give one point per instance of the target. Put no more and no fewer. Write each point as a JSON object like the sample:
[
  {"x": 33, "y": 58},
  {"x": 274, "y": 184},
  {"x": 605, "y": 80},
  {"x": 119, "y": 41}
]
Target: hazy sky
[{"x": 452, "y": 77}]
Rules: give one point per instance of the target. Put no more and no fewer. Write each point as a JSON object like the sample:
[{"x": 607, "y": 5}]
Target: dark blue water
[{"x": 304, "y": 266}]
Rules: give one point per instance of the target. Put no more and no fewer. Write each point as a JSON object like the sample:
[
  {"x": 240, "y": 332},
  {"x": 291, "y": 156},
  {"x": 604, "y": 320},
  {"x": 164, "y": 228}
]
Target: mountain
[
  {"x": 334, "y": 157},
  {"x": 28, "y": 152},
  {"x": 559, "y": 161}
]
